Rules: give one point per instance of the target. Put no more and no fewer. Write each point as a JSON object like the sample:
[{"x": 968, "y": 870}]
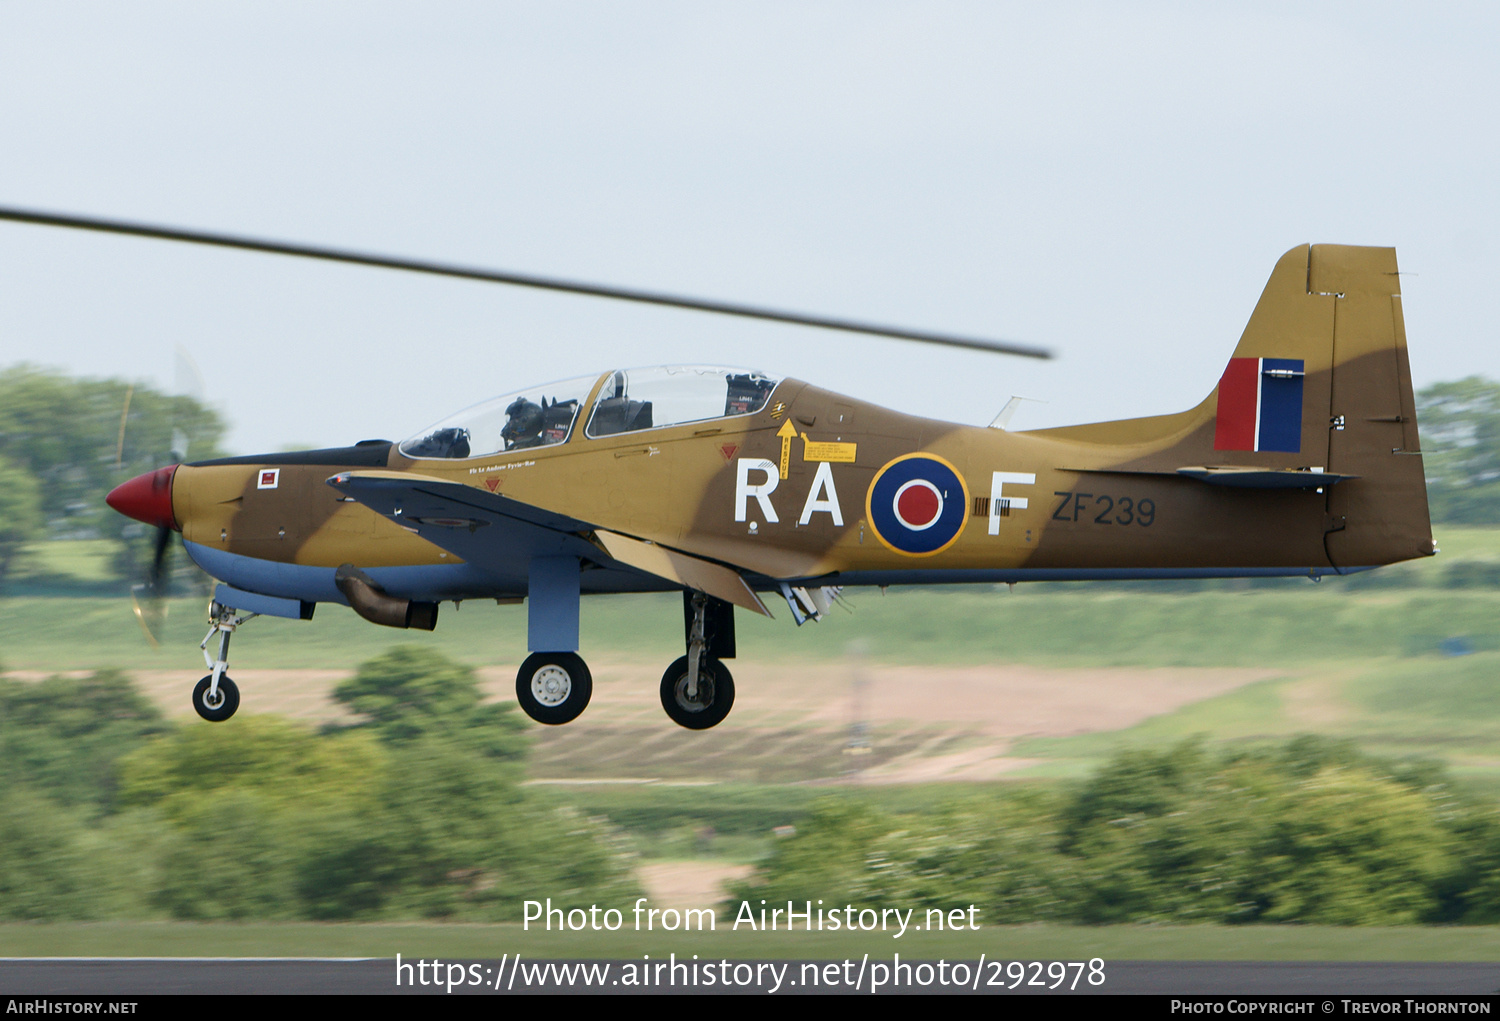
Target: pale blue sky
[{"x": 1112, "y": 180}]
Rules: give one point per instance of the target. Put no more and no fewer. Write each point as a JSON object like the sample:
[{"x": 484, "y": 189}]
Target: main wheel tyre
[
  {"x": 553, "y": 687},
  {"x": 227, "y": 702},
  {"x": 715, "y": 694}
]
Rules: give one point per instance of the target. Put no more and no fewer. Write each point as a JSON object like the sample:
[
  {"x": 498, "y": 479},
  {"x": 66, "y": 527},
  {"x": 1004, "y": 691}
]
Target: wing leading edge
[{"x": 502, "y": 535}]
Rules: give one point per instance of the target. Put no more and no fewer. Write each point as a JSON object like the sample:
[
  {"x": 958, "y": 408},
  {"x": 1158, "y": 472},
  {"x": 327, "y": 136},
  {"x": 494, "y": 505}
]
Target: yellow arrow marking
[{"x": 786, "y": 432}]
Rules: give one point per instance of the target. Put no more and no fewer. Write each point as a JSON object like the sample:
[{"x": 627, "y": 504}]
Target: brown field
[
  {"x": 689, "y": 884},
  {"x": 889, "y": 724}
]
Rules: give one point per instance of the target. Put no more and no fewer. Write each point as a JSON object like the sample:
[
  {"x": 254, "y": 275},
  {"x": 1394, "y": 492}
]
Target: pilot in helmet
[{"x": 523, "y": 425}]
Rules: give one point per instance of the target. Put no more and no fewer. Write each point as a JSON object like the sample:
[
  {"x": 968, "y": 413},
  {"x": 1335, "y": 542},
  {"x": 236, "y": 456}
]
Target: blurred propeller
[
  {"x": 148, "y": 499},
  {"x": 187, "y": 382},
  {"x": 147, "y": 230},
  {"x": 149, "y": 599}
]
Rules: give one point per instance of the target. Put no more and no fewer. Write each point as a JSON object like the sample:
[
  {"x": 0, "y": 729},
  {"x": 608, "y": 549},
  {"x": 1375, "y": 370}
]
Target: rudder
[{"x": 1381, "y": 516}]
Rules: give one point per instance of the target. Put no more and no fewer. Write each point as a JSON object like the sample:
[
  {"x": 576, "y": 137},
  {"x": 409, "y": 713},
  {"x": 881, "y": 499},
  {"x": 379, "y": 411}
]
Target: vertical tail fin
[{"x": 1319, "y": 379}]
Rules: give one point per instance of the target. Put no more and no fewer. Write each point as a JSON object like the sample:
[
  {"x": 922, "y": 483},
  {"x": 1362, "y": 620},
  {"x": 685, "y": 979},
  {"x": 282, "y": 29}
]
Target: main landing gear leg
[
  {"x": 697, "y": 691},
  {"x": 553, "y": 686},
  {"x": 216, "y": 697},
  {"x": 696, "y": 642}
]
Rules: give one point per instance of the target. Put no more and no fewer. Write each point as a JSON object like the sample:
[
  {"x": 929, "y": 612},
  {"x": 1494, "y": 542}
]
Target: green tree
[
  {"x": 1349, "y": 848},
  {"x": 241, "y": 803},
  {"x": 52, "y": 867},
  {"x": 843, "y": 847},
  {"x": 285, "y": 765},
  {"x": 64, "y": 736},
  {"x": 66, "y": 433},
  {"x": 287, "y": 822},
  {"x": 232, "y": 855},
  {"x": 1311, "y": 831},
  {"x": 40, "y": 867},
  {"x": 1460, "y": 425},
  {"x": 457, "y": 836},
  {"x": 454, "y": 837},
  {"x": 20, "y": 514},
  {"x": 411, "y": 693},
  {"x": 1472, "y": 893}
]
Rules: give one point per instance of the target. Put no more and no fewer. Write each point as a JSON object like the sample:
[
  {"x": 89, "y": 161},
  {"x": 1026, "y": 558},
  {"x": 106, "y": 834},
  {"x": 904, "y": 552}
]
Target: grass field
[
  {"x": 1398, "y": 611},
  {"x": 1357, "y": 658},
  {"x": 1350, "y": 659},
  {"x": 1354, "y": 660},
  {"x": 1291, "y": 626},
  {"x": 1443, "y": 708},
  {"x": 1027, "y": 942}
]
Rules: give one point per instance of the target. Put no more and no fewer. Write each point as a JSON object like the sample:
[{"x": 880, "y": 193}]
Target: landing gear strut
[
  {"x": 697, "y": 691},
  {"x": 216, "y": 697}
]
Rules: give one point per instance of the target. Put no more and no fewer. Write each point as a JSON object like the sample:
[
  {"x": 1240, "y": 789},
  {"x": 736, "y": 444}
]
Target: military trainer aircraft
[{"x": 733, "y": 486}]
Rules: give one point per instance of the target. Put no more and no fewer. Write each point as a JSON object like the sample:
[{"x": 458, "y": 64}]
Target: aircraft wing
[
  {"x": 684, "y": 568},
  {"x": 500, "y": 534}
]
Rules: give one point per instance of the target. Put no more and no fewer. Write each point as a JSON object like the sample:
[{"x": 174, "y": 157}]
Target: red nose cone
[{"x": 146, "y": 498}]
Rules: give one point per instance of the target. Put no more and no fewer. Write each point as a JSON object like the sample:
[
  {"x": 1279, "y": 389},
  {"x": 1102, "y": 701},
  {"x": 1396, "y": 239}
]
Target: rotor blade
[
  {"x": 156, "y": 581},
  {"x": 150, "y": 613},
  {"x": 149, "y": 599},
  {"x": 514, "y": 279}
]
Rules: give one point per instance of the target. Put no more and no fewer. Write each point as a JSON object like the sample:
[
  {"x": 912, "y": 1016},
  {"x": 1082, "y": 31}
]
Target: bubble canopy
[
  {"x": 629, "y": 400},
  {"x": 541, "y": 416}
]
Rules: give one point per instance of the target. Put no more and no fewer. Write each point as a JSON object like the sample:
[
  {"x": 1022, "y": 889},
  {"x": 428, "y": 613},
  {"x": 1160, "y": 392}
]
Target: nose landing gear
[{"x": 216, "y": 697}]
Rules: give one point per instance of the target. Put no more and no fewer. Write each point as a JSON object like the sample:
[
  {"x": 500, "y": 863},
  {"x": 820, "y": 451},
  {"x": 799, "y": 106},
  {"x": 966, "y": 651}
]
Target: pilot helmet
[{"x": 523, "y": 419}]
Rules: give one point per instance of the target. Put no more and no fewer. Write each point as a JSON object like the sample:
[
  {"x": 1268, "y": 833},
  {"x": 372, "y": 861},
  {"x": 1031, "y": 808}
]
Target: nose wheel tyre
[
  {"x": 220, "y": 708},
  {"x": 715, "y": 694},
  {"x": 553, "y": 687}
]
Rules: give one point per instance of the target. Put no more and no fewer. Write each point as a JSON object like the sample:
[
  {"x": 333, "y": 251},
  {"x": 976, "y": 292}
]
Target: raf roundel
[{"x": 917, "y": 505}]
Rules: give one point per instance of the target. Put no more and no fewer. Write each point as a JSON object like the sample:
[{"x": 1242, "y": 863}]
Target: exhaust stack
[{"x": 372, "y": 603}]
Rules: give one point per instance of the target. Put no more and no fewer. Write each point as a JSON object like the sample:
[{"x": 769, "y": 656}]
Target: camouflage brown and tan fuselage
[{"x": 818, "y": 486}]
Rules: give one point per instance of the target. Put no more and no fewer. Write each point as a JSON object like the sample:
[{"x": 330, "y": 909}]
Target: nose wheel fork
[{"x": 216, "y": 697}]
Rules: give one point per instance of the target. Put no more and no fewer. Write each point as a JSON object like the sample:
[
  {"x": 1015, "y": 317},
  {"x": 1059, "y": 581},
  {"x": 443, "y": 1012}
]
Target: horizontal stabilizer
[
  {"x": 1235, "y": 476},
  {"x": 1263, "y": 478}
]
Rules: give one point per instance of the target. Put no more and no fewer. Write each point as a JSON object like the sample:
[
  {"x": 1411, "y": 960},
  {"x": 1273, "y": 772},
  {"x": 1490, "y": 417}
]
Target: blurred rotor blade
[
  {"x": 187, "y": 378},
  {"x": 149, "y": 599},
  {"x": 513, "y": 279},
  {"x": 124, "y": 417},
  {"x": 150, "y": 613},
  {"x": 157, "y": 580},
  {"x": 187, "y": 381}
]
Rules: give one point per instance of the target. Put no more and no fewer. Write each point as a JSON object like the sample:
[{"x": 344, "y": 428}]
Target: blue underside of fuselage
[
  {"x": 441, "y": 582},
  {"x": 1005, "y": 576},
  {"x": 425, "y": 583}
]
